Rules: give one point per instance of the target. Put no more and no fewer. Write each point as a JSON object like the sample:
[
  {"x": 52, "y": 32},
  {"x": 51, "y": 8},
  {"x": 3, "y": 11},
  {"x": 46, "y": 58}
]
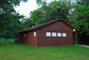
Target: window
[
  {"x": 24, "y": 34},
  {"x": 34, "y": 33},
  {"x": 64, "y": 34},
  {"x": 59, "y": 34},
  {"x": 48, "y": 34},
  {"x": 54, "y": 34}
]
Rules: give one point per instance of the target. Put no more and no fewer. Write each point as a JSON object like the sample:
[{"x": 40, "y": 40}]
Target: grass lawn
[{"x": 11, "y": 51}]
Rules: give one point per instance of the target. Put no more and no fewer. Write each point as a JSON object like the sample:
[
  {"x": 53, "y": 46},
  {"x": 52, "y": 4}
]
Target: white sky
[{"x": 26, "y": 7}]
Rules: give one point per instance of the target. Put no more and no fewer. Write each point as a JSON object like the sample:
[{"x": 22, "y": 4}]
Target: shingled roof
[{"x": 46, "y": 24}]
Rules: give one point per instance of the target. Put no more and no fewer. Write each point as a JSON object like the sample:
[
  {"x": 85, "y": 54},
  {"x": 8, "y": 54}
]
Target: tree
[
  {"x": 86, "y": 2},
  {"x": 48, "y": 12},
  {"x": 80, "y": 20},
  {"x": 11, "y": 25},
  {"x": 40, "y": 2},
  {"x": 26, "y": 23},
  {"x": 8, "y": 5},
  {"x": 9, "y": 19}
]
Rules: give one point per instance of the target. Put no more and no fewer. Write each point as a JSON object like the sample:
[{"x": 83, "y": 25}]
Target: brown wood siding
[
  {"x": 42, "y": 40},
  {"x": 28, "y": 39},
  {"x": 31, "y": 39},
  {"x": 58, "y": 26}
]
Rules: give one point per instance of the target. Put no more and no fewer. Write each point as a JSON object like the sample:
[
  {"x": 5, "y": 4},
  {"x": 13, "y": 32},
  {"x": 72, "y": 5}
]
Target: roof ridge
[{"x": 45, "y": 24}]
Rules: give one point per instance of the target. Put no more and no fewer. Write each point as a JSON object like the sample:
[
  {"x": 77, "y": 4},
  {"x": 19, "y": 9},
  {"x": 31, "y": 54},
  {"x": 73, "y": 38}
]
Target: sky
[{"x": 26, "y": 7}]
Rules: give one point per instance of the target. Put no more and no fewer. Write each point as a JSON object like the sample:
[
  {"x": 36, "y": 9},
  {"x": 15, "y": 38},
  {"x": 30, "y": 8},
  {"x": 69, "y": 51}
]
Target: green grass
[{"x": 11, "y": 51}]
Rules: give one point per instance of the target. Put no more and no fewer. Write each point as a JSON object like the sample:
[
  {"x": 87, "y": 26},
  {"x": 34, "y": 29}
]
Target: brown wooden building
[{"x": 54, "y": 33}]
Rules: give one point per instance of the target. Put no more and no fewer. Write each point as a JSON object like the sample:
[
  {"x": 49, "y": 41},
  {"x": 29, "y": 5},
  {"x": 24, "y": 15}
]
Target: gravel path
[{"x": 84, "y": 46}]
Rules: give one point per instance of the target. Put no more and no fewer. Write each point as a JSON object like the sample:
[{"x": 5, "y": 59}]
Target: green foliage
[
  {"x": 9, "y": 19},
  {"x": 86, "y": 2},
  {"x": 39, "y": 2},
  {"x": 10, "y": 25},
  {"x": 26, "y": 23},
  {"x": 48, "y": 12},
  {"x": 80, "y": 19}
]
